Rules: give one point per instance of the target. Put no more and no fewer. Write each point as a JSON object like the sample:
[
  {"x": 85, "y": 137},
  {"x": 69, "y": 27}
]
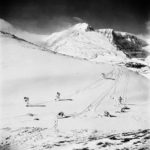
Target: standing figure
[
  {"x": 26, "y": 99},
  {"x": 120, "y": 100},
  {"x": 57, "y": 96}
]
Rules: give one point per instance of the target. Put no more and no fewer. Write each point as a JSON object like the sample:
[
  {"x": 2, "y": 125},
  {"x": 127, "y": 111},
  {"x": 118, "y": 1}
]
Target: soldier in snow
[
  {"x": 107, "y": 114},
  {"x": 26, "y": 99},
  {"x": 57, "y": 96},
  {"x": 120, "y": 100}
]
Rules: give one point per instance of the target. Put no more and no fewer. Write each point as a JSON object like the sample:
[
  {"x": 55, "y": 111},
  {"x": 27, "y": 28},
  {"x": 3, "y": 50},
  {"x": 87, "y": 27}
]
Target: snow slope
[
  {"x": 28, "y": 71},
  {"x": 9, "y": 28},
  {"x": 82, "y": 40},
  {"x": 102, "y": 45},
  {"x": 87, "y": 90}
]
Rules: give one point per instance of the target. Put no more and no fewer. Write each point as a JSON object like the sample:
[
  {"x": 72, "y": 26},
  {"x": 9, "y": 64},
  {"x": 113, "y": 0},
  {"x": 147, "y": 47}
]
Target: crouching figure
[
  {"x": 60, "y": 115},
  {"x": 26, "y": 99},
  {"x": 107, "y": 114}
]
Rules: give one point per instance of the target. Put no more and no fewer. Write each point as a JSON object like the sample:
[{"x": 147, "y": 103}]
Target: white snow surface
[
  {"x": 87, "y": 90},
  {"x": 79, "y": 42},
  {"x": 27, "y": 71}
]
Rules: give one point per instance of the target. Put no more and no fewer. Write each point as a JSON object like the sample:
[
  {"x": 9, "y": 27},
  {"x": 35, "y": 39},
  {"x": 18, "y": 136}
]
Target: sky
[{"x": 47, "y": 16}]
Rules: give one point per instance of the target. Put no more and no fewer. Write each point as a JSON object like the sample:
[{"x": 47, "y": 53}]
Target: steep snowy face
[
  {"x": 128, "y": 43},
  {"x": 107, "y": 33},
  {"x": 82, "y": 41}
]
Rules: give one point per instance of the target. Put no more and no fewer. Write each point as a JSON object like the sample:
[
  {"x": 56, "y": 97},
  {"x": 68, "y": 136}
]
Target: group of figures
[
  {"x": 61, "y": 115},
  {"x": 27, "y": 100}
]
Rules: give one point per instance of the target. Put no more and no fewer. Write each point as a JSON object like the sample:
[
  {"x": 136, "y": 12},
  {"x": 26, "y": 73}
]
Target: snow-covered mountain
[
  {"x": 84, "y": 41},
  {"x": 9, "y": 28},
  {"x": 88, "y": 91}
]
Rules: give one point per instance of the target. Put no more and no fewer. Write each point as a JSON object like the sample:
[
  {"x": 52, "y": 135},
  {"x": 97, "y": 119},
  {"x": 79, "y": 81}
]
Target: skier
[
  {"x": 120, "y": 100},
  {"x": 26, "y": 99},
  {"x": 57, "y": 96},
  {"x": 123, "y": 109},
  {"x": 60, "y": 115},
  {"x": 107, "y": 114}
]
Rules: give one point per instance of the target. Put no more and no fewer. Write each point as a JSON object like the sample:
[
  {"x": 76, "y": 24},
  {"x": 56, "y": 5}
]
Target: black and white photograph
[{"x": 75, "y": 75}]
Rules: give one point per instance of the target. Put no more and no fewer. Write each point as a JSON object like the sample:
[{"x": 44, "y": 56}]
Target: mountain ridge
[
  {"x": 84, "y": 42},
  {"x": 96, "y": 42}
]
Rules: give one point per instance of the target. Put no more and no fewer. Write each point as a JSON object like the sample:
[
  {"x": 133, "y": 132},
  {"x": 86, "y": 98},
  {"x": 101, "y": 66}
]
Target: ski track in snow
[{"x": 87, "y": 91}]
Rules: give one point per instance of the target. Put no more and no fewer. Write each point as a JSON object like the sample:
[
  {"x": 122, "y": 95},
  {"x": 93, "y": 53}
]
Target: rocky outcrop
[
  {"x": 128, "y": 43},
  {"x": 108, "y": 33}
]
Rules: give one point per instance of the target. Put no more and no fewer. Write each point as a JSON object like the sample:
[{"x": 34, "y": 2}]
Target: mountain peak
[{"x": 83, "y": 27}]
